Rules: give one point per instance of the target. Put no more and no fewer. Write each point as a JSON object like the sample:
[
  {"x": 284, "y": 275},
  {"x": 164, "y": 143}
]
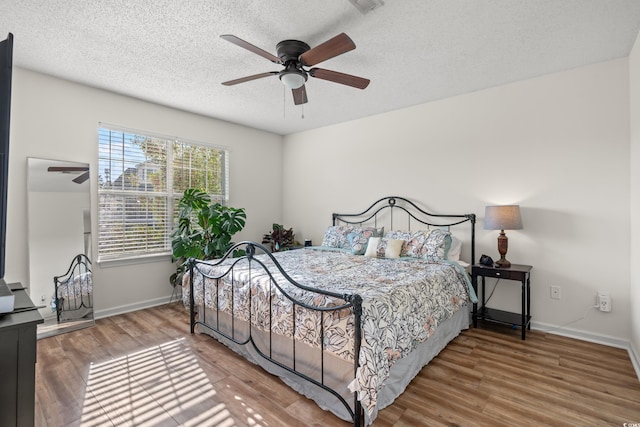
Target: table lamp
[{"x": 506, "y": 217}]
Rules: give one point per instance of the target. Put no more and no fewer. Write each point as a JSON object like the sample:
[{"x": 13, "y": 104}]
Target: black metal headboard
[{"x": 413, "y": 213}]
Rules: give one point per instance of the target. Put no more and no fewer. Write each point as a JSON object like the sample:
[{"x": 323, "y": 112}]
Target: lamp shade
[{"x": 505, "y": 217}]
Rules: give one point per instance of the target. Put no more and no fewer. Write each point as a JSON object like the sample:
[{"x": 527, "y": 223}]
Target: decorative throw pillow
[
  {"x": 336, "y": 236},
  {"x": 394, "y": 248},
  {"x": 437, "y": 245},
  {"x": 381, "y": 247},
  {"x": 399, "y": 235},
  {"x": 415, "y": 244},
  {"x": 431, "y": 244},
  {"x": 358, "y": 238}
]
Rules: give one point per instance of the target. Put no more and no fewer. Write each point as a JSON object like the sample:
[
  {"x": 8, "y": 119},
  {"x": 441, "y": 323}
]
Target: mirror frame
[{"x": 58, "y": 229}]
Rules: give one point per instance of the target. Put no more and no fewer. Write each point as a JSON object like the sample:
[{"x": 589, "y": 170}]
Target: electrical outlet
[
  {"x": 555, "y": 292},
  {"x": 604, "y": 301}
]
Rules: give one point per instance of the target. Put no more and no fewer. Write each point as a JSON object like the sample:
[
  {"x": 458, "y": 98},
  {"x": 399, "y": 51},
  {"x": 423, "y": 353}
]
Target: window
[{"x": 141, "y": 177}]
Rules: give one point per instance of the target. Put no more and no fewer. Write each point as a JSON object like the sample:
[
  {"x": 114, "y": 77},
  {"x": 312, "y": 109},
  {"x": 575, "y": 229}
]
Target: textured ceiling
[{"x": 414, "y": 51}]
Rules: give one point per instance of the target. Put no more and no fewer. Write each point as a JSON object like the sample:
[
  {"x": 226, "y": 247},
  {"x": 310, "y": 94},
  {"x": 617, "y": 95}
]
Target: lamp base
[
  {"x": 503, "y": 263},
  {"x": 503, "y": 245}
]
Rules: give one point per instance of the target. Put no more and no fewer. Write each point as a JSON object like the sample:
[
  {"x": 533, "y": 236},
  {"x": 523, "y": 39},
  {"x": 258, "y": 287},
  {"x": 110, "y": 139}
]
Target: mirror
[{"x": 59, "y": 233}]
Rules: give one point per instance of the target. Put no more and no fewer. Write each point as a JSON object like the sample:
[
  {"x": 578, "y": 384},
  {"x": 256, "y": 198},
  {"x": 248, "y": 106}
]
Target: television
[{"x": 6, "y": 65}]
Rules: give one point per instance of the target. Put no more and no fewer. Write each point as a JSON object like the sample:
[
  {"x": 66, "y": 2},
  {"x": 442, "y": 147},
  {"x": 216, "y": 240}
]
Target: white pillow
[
  {"x": 381, "y": 247},
  {"x": 455, "y": 249}
]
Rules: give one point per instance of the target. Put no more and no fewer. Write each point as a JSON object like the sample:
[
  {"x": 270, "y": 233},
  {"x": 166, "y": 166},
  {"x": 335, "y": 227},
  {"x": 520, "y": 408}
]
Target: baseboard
[
  {"x": 581, "y": 335},
  {"x": 127, "y": 308}
]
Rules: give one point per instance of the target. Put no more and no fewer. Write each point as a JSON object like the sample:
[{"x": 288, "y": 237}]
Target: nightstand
[{"x": 517, "y": 272}]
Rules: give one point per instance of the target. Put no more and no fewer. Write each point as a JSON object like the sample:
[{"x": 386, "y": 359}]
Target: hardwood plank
[
  {"x": 58, "y": 385},
  {"x": 518, "y": 414},
  {"x": 390, "y": 415},
  {"x": 145, "y": 368},
  {"x": 249, "y": 407},
  {"x": 573, "y": 386},
  {"x": 310, "y": 414},
  {"x": 126, "y": 402}
]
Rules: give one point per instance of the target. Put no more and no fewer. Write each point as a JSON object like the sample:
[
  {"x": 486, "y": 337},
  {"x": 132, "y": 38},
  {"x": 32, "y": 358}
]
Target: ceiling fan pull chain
[
  {"x": 284, "y": 102},
  {"x": 302, "y": 117}
]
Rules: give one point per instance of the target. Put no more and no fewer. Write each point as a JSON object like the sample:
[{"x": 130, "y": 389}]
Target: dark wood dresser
[{"x": 18, "y": 360}]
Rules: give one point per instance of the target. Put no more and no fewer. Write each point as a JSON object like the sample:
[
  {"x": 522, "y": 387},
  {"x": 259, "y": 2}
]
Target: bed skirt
[{"x": 402, "y": 372}]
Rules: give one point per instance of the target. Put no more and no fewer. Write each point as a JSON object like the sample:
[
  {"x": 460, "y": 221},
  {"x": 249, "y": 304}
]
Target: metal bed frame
[
  {"x": 408, "y": 207},
  {"x": 351, "y": 302},
  {"x": 80, "y": 265}
]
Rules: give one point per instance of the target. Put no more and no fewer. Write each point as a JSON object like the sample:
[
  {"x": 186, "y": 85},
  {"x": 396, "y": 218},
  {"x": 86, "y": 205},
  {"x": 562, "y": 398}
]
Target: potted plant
[
  {"x": 204, "y": 230},
  {"x": 280, "y": 239}
]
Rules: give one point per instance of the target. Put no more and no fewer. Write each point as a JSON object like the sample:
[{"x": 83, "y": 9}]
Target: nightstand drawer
[{"x": 499, "y": 273}]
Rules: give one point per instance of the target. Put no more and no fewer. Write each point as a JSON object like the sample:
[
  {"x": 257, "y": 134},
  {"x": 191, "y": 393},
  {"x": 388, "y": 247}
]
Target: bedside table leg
[
  {"x": 529, "y": 301},
  {"x": 524, "y": 312},
  {"x": 474, "y": 316}
]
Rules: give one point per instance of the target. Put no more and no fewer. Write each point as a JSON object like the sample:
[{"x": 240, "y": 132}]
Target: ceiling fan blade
[
  {"x": 299, "y": 95},
  {"x": 336, "y": 77},
  {"x": 329, "y": 49},
  {"x": 67, "y": 169},
  {"x": 249, "y": 78},
  {"x": 251, "y": 48},
  {"x": 81, "y": 178}
]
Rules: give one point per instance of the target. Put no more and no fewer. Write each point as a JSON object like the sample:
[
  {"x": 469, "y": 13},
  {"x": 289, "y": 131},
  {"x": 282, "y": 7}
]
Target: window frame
[{"x": 170, "y": 195}]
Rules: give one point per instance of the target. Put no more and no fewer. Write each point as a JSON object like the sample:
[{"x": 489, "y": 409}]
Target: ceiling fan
[
  {"x": 82, "y": 170},
  {"x": 297, "y": 56}
]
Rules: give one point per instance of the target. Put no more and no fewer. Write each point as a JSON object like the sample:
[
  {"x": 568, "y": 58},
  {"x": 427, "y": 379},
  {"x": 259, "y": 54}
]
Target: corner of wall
[
  {"x": 634, "y": 155},
  {"x": 634, "y": 355}
]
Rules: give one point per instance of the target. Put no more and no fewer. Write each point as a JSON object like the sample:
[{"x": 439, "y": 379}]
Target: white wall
[
  {"x": 557, "y": 145},
  {"x": 56, "y": 119},
  {"x": 634, "y": 90}
]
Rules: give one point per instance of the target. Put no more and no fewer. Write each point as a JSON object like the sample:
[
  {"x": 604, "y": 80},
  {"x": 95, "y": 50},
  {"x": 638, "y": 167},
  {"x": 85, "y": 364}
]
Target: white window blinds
[{"x": 140, "y": 180}]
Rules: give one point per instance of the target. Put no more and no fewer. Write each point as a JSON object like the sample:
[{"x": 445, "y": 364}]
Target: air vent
[{"x": 366, "y": 6}]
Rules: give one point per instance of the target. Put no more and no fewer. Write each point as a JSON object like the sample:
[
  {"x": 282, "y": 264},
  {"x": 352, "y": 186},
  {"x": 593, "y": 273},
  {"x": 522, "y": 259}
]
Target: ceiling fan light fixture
[{"x": 293, "y": 79}]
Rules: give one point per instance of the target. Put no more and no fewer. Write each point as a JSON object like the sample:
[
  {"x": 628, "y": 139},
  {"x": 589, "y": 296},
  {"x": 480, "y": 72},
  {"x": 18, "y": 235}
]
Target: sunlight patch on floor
[
  {"x": 163, "y": 384},
  {"x": 253, "y": 418}
]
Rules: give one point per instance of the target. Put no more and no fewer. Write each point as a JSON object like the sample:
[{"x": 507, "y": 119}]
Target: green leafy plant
[
  {"x": 280, "y": 238},
  {"x": 204, "y": 230}
]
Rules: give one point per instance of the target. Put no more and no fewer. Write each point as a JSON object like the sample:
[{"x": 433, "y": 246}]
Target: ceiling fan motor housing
[{"x": 289, "y": 52}]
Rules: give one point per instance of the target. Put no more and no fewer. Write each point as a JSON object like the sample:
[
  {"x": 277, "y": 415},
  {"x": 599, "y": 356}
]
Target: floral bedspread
[{"x": 404, "y": 301}]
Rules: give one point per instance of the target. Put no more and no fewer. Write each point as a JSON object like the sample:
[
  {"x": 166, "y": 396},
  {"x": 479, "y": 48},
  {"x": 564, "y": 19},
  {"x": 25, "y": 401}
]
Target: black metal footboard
[{"x": 276, "y": 283}]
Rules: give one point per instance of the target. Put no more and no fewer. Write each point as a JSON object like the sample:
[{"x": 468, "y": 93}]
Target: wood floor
[{"x": 145, "y": 369}]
